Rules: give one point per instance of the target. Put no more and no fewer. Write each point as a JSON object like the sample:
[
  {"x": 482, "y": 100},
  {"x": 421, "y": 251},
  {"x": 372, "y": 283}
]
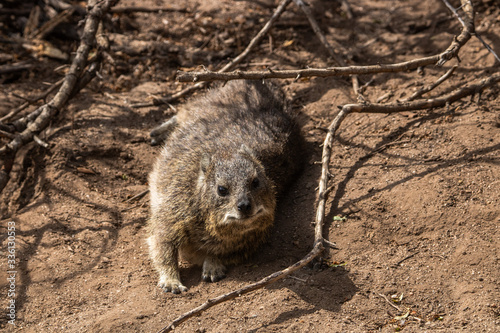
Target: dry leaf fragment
[
  {"x": 403, "y": 316},
  {"x": 44, "y": 48}
]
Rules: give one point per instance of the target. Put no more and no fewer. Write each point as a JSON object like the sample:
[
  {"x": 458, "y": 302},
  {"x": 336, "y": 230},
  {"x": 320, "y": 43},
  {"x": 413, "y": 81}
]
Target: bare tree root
[{"x": 75, "y": 80}]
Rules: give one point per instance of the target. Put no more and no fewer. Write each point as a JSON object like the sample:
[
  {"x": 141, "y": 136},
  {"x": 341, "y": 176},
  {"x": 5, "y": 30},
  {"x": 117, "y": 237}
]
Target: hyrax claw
[
  {"x": 176, "y": 287},
  {"x": 213, "y": 270},
  {"x": 213, "y": 188}
]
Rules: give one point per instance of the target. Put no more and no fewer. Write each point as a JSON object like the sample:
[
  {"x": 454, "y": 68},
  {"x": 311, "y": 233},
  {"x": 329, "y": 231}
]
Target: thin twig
[
  {"x": 468, "y": 4},
  {"x": 22, "y": 66},
  {"x": 40, "y": 142},
  {"x": 454, "y": 11},
  {"x": 390, "y": 303},
  {"x": 277, "y": 13},
  {"x": 489, "y": 48},
  {"x": 330, "y": 244},
  {"x": 33, "y": 100},
  {"x": 405, "y": 258},
  {"x": 137, "y": 196},
  {"x": 425, "y": 90},
  {"x": 296, "y": 278},
  {"x": 317, "y": 30}
]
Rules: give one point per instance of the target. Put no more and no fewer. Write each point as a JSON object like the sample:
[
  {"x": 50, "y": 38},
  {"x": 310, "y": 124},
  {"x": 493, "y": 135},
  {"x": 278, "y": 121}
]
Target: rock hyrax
[{"x": 214, "y": 185}]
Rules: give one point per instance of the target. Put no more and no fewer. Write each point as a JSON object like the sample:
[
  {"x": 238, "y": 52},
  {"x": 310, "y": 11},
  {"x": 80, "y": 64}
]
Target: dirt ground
[{"x": 414, "y": 208}]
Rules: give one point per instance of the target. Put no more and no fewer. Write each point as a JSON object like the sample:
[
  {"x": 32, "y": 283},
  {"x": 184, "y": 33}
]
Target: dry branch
[
  {"x": 438, "y": 59},
  {"x": 425, "y": 90},
  {"x": 32, "y": 101},
  {"x": 317, "y": 30},
  {"x": 440, "y": 101},
  {"x": 478, "y": 36},
  {"x": 323, "y": 72}
]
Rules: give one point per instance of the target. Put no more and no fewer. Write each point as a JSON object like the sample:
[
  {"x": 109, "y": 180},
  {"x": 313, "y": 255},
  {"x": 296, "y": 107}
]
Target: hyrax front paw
[
  {"x": 213, "y": 270},
  {"x": 173, "y": 285}
]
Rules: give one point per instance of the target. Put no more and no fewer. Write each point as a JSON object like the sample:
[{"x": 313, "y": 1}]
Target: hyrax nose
[{"x": 245, "y": 206}]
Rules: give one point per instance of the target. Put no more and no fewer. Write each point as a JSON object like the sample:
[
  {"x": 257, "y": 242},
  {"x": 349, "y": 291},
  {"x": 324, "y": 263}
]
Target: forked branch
[{"x": 438, "y": 59}]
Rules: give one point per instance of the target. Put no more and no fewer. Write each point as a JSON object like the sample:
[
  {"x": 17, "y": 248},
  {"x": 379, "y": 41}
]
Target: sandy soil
[{"x": 417, "y": 193}]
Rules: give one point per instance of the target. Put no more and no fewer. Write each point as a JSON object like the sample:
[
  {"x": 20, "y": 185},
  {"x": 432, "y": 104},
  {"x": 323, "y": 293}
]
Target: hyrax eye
[
  {"x": 255, "y": 183},
  {"x": 222, "y": 191}
]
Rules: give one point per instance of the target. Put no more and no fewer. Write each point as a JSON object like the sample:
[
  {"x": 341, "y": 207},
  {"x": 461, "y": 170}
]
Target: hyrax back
[{"x": 214, "y": 186}]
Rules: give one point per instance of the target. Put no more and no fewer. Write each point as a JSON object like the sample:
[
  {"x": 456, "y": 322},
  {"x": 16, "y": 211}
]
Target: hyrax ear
[
  {"x": 205, "y": 162},
  {"x": 245, "y": 150}
]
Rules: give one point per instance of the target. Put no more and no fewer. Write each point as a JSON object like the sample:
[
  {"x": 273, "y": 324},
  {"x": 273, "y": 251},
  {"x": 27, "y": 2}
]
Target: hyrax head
[{"x": 236, "y": 190}]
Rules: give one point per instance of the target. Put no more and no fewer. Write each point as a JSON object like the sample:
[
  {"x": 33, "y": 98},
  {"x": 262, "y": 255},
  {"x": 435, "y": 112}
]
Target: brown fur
[{"x": 214, "y": 186}]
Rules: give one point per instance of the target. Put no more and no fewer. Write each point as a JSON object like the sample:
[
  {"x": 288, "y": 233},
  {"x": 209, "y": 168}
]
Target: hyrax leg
[
  {"x": 165, "y": 258},
  {"x": 213, "y": 270}
]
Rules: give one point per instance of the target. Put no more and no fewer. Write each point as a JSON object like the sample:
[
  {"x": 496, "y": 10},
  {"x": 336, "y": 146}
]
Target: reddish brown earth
[{"x": 419, "y": 191}]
